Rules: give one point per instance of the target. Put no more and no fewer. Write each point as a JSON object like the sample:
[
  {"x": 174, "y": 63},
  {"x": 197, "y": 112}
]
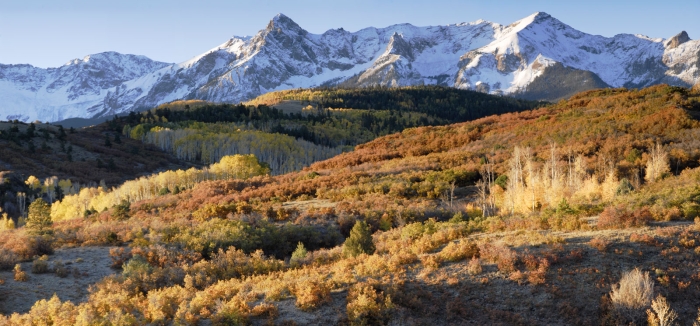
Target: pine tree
[
  {"x": 359, "y": 241},
  {"x": 30, "y": 130},
  {"x": 61, "y": 133},
  {"x": 299, "y": 254},
  {"x": 39, "y": 219},
  {"x": 111, "y": 165}
]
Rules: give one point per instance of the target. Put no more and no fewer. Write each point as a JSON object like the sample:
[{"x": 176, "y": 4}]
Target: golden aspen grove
[{"x": 376, "y": 206}]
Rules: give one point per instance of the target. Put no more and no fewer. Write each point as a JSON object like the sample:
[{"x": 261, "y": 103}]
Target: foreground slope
[{"x": 440, "y": 258}]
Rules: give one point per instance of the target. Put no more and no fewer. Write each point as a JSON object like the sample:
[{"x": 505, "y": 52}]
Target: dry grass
[
  {"x": 633, "y": 294},
  {"x": 661, "y": 313}
]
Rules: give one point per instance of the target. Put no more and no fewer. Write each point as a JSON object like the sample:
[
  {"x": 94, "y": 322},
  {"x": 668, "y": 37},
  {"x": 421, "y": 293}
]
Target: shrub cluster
[{"x": 619, "y": 217}]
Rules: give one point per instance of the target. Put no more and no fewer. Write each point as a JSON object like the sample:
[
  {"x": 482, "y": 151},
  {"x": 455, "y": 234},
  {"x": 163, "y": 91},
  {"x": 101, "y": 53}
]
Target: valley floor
[{"x": 85, "y": 266}]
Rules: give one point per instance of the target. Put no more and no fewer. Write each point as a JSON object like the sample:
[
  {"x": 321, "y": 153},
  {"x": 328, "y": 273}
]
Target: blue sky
[{"x": 48, "y": 33}]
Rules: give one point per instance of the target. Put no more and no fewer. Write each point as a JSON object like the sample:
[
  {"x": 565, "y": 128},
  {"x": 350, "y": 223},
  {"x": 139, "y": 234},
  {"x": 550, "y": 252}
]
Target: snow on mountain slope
[
  {"x": 522, "y": 52},
  {"x": 76, "y": 89},
  {"x": 535, "y": 57}
]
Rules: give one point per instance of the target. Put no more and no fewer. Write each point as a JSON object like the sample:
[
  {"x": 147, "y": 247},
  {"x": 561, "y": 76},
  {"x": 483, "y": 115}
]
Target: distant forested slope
[{"x": 292, "y": 129}]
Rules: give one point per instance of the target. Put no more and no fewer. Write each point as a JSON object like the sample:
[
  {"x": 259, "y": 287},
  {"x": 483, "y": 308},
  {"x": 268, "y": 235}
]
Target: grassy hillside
[{"x": 519, "y": 218}]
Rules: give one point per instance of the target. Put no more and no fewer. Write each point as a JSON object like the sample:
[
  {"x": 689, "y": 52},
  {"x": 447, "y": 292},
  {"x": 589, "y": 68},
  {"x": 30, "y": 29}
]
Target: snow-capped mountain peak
[
  {"x": 535, "y": 57},
  {"x": 677, "y": 40},
  {"x": 283, "y": 23}
]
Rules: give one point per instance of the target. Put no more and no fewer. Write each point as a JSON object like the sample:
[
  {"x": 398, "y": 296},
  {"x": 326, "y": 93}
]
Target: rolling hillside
[{"x": 533, "y": 217}]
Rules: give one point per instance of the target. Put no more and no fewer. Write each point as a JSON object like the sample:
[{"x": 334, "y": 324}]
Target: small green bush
[
  {"x": 137, "y": 266},
  {"x": 359, "y": 241},
  {"x": 40, "y": 265},
  {"x": 60, "y": 269},
  {"x": 121, "y": 211}
]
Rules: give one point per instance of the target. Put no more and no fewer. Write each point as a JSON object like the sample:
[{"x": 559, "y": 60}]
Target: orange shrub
[
  {"x": 456, "y": 251},
  {"x": 118, "y": 256},
  {"x": 367, "y": 305},
  {"x": 210, "y": 211},
  {"x": 232, "y": 312},
  {"x": 673, "y": 214},
  {"x": 643, "y": 238},
  {"x": 25, "y": 246},
  {"x": 504, "y": 257},
  {"x": 620, "y": 217},
  {"x": 311, "y": 294},
  {"x": 20, "y": 275},
  {"x": 265, "y": 309},
  {"x": 600, "y": 244},
  {"x": 530, "y": 262},
  {"x": 430, "y": 262},
  {"x": 474, "y": 266},
  {"x": 536, "y": 277},
  {"x": 517, "y": 276},
  {"x": 160, "y": 256}
]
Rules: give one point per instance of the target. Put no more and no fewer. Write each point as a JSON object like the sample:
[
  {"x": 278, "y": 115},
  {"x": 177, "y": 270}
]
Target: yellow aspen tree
[
  {"x": 49, "y": 188},
  {"x": 67, "y": 186},
  {"x": 657, "y": 164},
  {"x": 33, "y": 182},
  {"x": 531, "y": 178},
  {"x": 609, "y": 186},
  {"x": 514, "y": 180},
  {"x": 579, "y": 173},
  {"x": 6, "y": 223}
]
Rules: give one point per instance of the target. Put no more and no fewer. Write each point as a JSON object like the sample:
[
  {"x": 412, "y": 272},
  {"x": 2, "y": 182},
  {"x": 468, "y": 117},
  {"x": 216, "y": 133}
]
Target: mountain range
[{"x": 537, "y": 57}]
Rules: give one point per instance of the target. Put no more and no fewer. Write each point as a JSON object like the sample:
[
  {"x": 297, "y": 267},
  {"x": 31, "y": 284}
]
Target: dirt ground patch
[
  {"x": 86, "y": 266},
  {"x": 304, "y": 205}
]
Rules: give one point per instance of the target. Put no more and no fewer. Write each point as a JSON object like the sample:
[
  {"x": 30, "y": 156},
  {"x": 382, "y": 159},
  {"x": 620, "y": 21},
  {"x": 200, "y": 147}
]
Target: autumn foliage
[{"x": 403, "y": 227}]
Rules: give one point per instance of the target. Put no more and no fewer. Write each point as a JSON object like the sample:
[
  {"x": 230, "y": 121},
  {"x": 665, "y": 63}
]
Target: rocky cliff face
[{"x": 537, "y": 57}]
